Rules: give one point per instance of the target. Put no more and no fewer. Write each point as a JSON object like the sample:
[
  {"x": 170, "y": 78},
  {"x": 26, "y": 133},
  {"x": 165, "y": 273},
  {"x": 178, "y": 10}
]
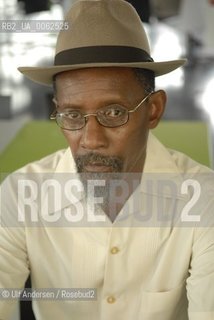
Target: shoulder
[
  {"x": 47, "y": 164},
  {"x": 163, "y": 160},
  {"x": 185, "y": 164}
]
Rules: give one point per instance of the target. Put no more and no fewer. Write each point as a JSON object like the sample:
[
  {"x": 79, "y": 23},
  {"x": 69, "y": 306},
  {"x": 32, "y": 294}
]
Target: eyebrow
[{"x": 67, "y": 105}]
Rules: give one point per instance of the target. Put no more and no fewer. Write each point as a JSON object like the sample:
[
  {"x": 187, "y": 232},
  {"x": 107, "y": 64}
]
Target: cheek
[
  {"x": 73, "y": 139},
  {"x": 131, "y": 138}
]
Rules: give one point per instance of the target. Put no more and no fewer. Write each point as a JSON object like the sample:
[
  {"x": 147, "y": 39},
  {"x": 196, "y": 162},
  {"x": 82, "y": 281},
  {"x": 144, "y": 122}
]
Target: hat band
[{"x": 102, "y": 54}]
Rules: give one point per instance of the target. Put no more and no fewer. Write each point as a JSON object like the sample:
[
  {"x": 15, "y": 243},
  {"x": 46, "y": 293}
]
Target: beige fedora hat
[{"x": 101, "y": 33}]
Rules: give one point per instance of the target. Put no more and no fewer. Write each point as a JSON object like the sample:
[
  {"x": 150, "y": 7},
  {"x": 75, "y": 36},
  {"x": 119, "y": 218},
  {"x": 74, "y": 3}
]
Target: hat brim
[{"x": 44, "y": 75}]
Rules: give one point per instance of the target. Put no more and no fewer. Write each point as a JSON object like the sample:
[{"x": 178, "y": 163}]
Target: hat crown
[
  {"x": 94, "y": 23},
  {"x": 101, "y": 33}
]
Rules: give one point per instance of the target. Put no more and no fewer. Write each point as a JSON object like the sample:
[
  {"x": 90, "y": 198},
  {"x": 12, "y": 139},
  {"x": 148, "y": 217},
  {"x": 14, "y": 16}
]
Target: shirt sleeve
[
  {"x": 14, "y": 266},
  {"x": 200, "y": 284}
]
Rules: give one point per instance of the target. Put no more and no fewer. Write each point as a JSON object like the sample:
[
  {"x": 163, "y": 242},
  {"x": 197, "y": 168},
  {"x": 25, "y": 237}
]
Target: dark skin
[{"x": 91, "y": 89}]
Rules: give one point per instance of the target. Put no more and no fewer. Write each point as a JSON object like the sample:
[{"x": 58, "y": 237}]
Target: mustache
[{"x": 90, "y": 158}]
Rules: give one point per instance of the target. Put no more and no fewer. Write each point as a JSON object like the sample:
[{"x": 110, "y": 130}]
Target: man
[{"x": 117, "y": 225}]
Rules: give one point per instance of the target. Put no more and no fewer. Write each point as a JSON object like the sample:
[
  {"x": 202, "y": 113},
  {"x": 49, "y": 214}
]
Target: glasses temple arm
[{"x": 141, "y": 102}]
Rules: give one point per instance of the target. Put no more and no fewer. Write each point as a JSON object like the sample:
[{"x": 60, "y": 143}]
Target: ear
[{"x": 157, "y": 104}]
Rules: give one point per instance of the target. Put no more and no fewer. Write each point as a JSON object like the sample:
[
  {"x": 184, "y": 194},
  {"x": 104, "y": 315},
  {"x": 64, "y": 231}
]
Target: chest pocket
[{"x": 166, "y": 305}]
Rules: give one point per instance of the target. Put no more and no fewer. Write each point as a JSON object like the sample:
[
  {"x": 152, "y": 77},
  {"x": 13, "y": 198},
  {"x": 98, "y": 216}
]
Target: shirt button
[
  {"x": 114, "y": 250},
  {"x": 111, "y": 299}
]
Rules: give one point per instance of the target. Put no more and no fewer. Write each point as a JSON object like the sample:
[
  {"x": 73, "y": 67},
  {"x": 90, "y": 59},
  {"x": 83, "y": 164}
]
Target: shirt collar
[
  {"x": 159, "y": 158},
  {"x": 66, "y": 164},
  {"x": 158, "y": 162},
  {"x": 160, "y": 167}
]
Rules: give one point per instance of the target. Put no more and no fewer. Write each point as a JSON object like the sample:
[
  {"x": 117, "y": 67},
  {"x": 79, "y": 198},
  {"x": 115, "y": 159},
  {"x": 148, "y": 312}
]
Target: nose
[{"x": 93, "y": 135}]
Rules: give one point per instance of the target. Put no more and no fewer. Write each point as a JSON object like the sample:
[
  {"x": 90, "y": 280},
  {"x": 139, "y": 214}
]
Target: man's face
[{"x": 96, "y": 148}]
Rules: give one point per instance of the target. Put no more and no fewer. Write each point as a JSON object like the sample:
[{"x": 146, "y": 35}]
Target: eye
[
  {"x": 114, "y": 111},
  {"x": 73, "y": 115}
]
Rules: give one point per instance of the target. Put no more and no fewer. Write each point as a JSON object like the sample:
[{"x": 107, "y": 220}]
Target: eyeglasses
[{"x": 110, "y": 116}]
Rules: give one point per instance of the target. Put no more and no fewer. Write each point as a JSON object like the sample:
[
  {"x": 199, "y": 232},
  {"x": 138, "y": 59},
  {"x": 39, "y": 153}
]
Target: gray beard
[
  {"x": 112, "y": 187},
  {"x": 105, "y": 178},
  {"x": 100, "y": 185},
  {"x": 115, "y": 163}
]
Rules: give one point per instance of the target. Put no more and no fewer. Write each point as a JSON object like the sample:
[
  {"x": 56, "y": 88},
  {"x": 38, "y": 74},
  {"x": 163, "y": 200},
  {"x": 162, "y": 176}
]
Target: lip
[{"x": 96, "y": 167}]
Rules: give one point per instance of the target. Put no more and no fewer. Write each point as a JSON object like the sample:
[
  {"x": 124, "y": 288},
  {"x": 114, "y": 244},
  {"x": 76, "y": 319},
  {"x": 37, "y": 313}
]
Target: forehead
[{"x": 98, "y": 79}]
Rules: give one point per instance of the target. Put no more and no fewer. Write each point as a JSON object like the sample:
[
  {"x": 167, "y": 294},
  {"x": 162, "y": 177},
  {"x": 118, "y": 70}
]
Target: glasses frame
[{"x": 53, "y": 116}]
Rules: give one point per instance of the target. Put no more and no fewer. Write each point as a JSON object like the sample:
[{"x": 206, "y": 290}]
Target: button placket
[
  {"x": 114, "y": 250},
  {"x": 114, "y": 270},
  {"x": 111, "y": 299}
]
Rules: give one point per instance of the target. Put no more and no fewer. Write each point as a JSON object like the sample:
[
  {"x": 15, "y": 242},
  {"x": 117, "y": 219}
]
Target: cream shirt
[{"x": 140, "y": 272}]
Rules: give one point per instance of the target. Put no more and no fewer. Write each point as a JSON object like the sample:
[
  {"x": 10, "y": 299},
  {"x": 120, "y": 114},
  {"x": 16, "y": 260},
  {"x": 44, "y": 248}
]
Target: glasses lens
[
  {"x": 113, "y": 116},
  {"x": 72, "y": 120}
]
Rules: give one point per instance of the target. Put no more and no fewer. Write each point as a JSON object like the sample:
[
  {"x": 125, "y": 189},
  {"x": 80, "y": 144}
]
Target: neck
[{"x": 119, "y": 192}]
